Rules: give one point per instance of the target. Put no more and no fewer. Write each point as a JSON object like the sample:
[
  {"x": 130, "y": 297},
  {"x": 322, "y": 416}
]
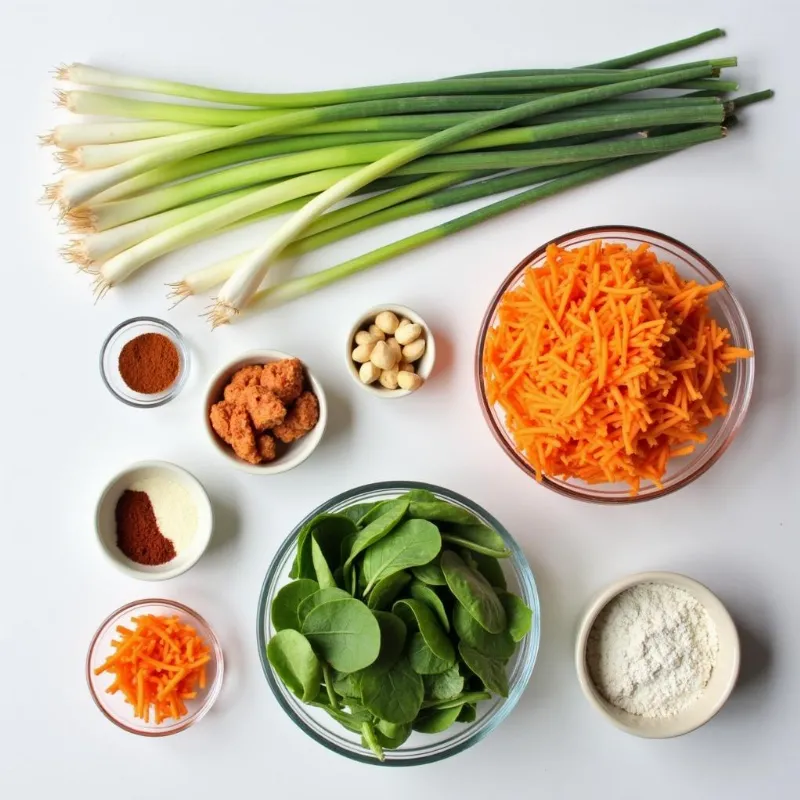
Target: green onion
[
  {"x": 217, "y": 159},
  {"x": 658, "y": 52},
  {"x": 108, "y": 215},
  {"x": 126, "y": 263},
  {"x": 84, "y": 133},
  {"x": 206, "y": 279},
  {"x": 366, "y": 214},
  {"x": 238, "y": 290},
  {"x": 298, "y": 287},
  {"x": 532, "y": 81}
]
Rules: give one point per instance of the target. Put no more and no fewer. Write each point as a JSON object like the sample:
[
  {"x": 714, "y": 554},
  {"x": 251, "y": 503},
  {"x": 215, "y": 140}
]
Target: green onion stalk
[
  {"x": 121, "y": 266},
  {"x": 529, "y": 80},
  {"x": 240, "y": 288},
  {"x": 108, "y": 215},
  {"x": 280, "y": 293},
  {"x": 96, "y": 181}
]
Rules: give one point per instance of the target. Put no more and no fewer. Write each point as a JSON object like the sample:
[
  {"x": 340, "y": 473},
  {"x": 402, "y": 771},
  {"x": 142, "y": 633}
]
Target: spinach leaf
[
  {"x": 423, "y": 660},
  {"x": 410, "y": 544},
  {"x": 346, "y": 685},
  {"x": 441, "y": 511},
  {"x": 430, "y": 573},
  {"x": 393, "y": 512},
  {"x": 327, "y": 679},
  {"x": 372, "y": 514},
  {"x": 330, "y": 530},
  {"x": 316, "y": 599},
  {"x": 296, "y": 664},
  {"x": 390, "y": 734},
  {"x": 464, "y": 697},
  {"x": 395, "y": 696},
  {"x": 423, "y": 593},
  {"x": 350, "y": 720},
  {"x": 387, "y": 589},
  {"x": 445, "y": 686},
  {"x": 370, "y": 739},
  {"x": 347, "y": 543},
  {"x": 478, "y": 537},
  {"x": 492, "y": 671},
  {"x": 393, "y": 640},
  {"x": 321, "y": 569},
  {"x": 520, "y": 617},
  {"x": 345, "y": 633},
  {"x": 283, "y": 611},
  {"x": 468, "y": 713},
  {"x": 416, "y": 495},
  {"x": 495, "y": 645},
  {"x": 473, "y": 591},
  {"x": 488, "y": 566},
  {"x": 437, "y": 720},
  {"x": 417, "y": 615},
  {"x": 355, "y": 512}
]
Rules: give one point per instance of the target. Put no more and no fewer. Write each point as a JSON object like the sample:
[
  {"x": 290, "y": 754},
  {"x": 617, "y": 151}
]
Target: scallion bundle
[{"x": 149, "y": 176}]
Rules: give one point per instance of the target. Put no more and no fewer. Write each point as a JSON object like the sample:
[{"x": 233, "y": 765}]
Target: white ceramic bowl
[
  {"x": 423, "y": 367},
  {"x": 106, "y": 529},
  {"x": 723, "y": 677},
  {"x": 297, "y": 452}
]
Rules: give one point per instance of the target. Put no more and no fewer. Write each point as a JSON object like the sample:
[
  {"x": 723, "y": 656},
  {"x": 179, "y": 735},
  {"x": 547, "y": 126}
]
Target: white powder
[
  {"x": 174, "y": 508},
  {"x": 652, "y": 650}
]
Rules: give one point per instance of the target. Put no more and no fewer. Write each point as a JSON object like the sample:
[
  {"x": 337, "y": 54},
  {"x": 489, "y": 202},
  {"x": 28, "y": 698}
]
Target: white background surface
[{"x": 64, "y": 435}]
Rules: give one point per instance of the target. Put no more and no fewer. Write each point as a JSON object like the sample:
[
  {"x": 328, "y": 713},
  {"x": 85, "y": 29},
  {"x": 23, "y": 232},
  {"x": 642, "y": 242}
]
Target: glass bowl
[
  {"x": 738, "y": 383},
  {"x": 114, "y": 706},
  {"x": 109, "y": 361},
  {"x": 420, "y": 748}
]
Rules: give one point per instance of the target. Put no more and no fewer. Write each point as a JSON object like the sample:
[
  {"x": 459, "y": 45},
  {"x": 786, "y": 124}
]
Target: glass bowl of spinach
[{"x": 398, "y": 624}]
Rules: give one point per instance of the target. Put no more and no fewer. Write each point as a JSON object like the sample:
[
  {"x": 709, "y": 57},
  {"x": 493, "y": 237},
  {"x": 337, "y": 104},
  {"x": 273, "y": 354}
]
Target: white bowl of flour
[{"x": 657, "y": 654}]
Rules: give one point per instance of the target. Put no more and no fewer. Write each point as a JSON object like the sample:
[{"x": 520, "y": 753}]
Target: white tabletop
[{"x": 64, "y": 435}]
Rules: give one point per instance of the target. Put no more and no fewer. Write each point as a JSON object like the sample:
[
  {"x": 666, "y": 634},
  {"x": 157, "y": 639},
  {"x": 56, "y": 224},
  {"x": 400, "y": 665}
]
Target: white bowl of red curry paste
[{"x": 154, "y": 520}]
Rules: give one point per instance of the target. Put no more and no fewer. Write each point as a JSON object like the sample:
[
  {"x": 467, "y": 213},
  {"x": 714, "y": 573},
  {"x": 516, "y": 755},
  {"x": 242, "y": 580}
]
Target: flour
[
  {"x": 174, "y": 508},
  {"x": 652, "y": 650}
]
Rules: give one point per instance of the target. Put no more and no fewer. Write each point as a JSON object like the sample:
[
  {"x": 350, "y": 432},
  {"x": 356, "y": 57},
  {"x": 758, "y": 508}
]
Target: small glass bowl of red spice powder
[{"x": 144, "y": 362}]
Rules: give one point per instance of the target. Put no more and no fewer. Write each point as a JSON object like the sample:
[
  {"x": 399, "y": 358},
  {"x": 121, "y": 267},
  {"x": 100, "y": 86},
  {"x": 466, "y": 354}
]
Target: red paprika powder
[
  {"x": 150, "y": 363},
  {"x": 138, "y": 535}
]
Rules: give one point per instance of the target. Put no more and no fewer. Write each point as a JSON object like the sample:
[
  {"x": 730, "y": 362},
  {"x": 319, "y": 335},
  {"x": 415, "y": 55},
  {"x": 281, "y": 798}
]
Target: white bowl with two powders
[
  {"x": 657, "y": 654},
  {"x": 161, "y": 495}
]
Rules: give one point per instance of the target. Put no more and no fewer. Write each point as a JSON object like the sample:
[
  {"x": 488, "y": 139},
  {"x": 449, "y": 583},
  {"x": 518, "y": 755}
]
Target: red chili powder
[
  {"x": 138, "y": 535},
  {"x": 150, "y": 363}
]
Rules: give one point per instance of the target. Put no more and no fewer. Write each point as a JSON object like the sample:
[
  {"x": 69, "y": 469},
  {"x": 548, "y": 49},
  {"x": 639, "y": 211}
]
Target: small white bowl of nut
[{"x": 390, "y": 351}]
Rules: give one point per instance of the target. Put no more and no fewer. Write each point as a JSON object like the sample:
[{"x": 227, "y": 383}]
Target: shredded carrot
[
  {"x": 625, "y": 367},
  {"x": 156, "y": 665}
]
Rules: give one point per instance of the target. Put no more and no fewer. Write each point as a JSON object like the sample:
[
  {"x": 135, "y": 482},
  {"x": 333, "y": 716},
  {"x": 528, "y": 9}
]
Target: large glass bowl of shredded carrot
[
  {"x": 614, "y": 364},
  {"x": 154, "y": 667}
]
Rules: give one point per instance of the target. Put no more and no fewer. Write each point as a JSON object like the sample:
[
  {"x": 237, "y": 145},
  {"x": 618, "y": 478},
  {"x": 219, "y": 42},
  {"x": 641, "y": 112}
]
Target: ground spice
[
  {"x": 138, "y": 535},
  {"x": 149, "y": 363}
]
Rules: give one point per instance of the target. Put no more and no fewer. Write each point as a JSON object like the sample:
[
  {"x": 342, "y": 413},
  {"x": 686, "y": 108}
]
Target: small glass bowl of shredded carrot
[
  {"x": 154, "y": 667},
  {"x": 614, "y": 364}
]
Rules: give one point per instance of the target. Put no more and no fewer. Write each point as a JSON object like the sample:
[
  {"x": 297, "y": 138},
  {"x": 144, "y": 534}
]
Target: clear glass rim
[
  {"x": 178, "y": 341},
  {"x": 529, "y": 656},
  {"x": 211, "y": 693},
  {"x": 741, "y": 395}
]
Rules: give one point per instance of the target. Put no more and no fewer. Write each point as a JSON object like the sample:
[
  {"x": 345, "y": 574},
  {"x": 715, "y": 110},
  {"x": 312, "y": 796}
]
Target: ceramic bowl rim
[
  {"x": 287, "y": 461},
  {"x": 728, "y": 638},
  {"x": 429, "y": 357},
  {"x": 131, "y": 569}
]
